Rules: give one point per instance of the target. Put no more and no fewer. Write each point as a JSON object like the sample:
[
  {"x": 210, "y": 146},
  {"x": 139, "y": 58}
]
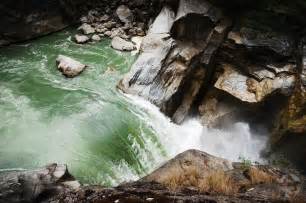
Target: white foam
[{"x": 232, "y": 144}]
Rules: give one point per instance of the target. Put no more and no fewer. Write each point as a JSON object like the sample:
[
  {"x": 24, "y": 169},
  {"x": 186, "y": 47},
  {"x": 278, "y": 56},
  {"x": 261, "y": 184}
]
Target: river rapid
[{"x": 104, "y": 136}]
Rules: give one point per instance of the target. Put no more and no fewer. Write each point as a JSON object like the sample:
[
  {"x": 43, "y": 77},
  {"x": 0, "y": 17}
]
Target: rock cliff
[{"x": 226, "y": 61}]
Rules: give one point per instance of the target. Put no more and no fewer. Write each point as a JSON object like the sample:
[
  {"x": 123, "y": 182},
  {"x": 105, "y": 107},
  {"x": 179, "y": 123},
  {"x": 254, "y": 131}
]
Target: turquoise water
[
  {"x": 83, "y": 122},
  {"x": 103, "y": 136}
]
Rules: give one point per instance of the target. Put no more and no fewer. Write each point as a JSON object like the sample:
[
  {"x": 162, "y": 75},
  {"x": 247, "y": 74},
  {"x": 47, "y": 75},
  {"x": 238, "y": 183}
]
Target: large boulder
[
  {"x": 189, "y": 160},
  {"x": 122, "y": 45},
  {"x": 81, "y": 39},
  {"x": 35, "y": 185},
  {"x": 69, "y": 67},
  {"x": 124, "y": 14}
]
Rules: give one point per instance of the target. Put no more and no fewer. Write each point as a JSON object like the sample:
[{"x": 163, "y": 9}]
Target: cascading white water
[{"x": 233, "y": 144}]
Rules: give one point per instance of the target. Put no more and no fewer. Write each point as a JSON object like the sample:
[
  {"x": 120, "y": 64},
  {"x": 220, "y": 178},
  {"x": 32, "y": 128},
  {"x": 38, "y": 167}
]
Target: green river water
[
  {"x": 103, "y": 136},
  {"x": 83, "y": 122}
]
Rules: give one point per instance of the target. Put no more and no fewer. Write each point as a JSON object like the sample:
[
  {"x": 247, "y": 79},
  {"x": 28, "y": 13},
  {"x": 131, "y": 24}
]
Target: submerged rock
[
  {"x": 68, "y": 66},
  {"x": 122, "y": 45},
  {"x": 36, "y": 185}
]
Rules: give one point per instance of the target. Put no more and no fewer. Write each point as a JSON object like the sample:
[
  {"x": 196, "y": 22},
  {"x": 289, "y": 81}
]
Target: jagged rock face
[
  {"x": 256, "y": 63},
  {"x": 249, "y": 89},
  {"x": 36, "y": 185},
  {"x": 289, "y": 133},
  {"x": 176, "y": 55}
]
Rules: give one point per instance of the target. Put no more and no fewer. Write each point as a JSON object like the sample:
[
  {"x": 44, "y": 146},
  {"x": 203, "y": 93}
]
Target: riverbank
[{"x": 192, "y": 176}]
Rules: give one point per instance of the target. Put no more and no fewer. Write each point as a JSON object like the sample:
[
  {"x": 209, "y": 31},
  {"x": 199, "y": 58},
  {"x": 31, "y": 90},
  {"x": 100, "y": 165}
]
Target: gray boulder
[
  {"x": 203, "y": 162},
  {"x": 122, "y": 45},
  {"x": 81, "y": 39},
  {"x": 124, "y": 14},
  {"x": 96, "y": 38},
  {"x": 68, "y": 66},
  {"x": 87, "y": 29},
  {"x": 36, "y": 185}
]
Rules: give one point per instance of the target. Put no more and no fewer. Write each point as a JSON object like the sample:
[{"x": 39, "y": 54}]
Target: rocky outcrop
[
  {"x": 24, "y": 20},
  {"x": 36, "y": 185},
  {"x": 248, "y": 89},
  {"x": 176, "y": 56},
  {"x": 69, "y": 67},
  {"x": 192, "y": 176},
  {"x": 288, "y": 136},
  {"x": 195, "y": 176},
  {"x": 200, "y": 50}
]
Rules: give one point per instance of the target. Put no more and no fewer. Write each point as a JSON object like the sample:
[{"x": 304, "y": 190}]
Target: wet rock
[
  {"x": 87, "y": 29},
  {"x": 68, "y": 66},
  {"x": 122, "y": 45},
  {"x": 170, "y": 72},
  {"x": 163, "y": 22},
  {"x": 81, "y": 39},
  {"x": 96, "y": 38},
  {"x": 36, "y": 185},
  {"x": 137, "y": 41},
  {"x": 216, "y": 108},
  {"x": 124, "y": 14},
  {"x": 154, "y": 48}
]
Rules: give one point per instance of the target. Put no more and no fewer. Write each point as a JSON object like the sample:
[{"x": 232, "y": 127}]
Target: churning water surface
[{"x": 103, "y": 136}]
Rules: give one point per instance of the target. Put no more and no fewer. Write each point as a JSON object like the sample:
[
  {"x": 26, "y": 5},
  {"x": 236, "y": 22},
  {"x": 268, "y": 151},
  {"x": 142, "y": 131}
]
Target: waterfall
[{"x": 232, "y": 143}]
